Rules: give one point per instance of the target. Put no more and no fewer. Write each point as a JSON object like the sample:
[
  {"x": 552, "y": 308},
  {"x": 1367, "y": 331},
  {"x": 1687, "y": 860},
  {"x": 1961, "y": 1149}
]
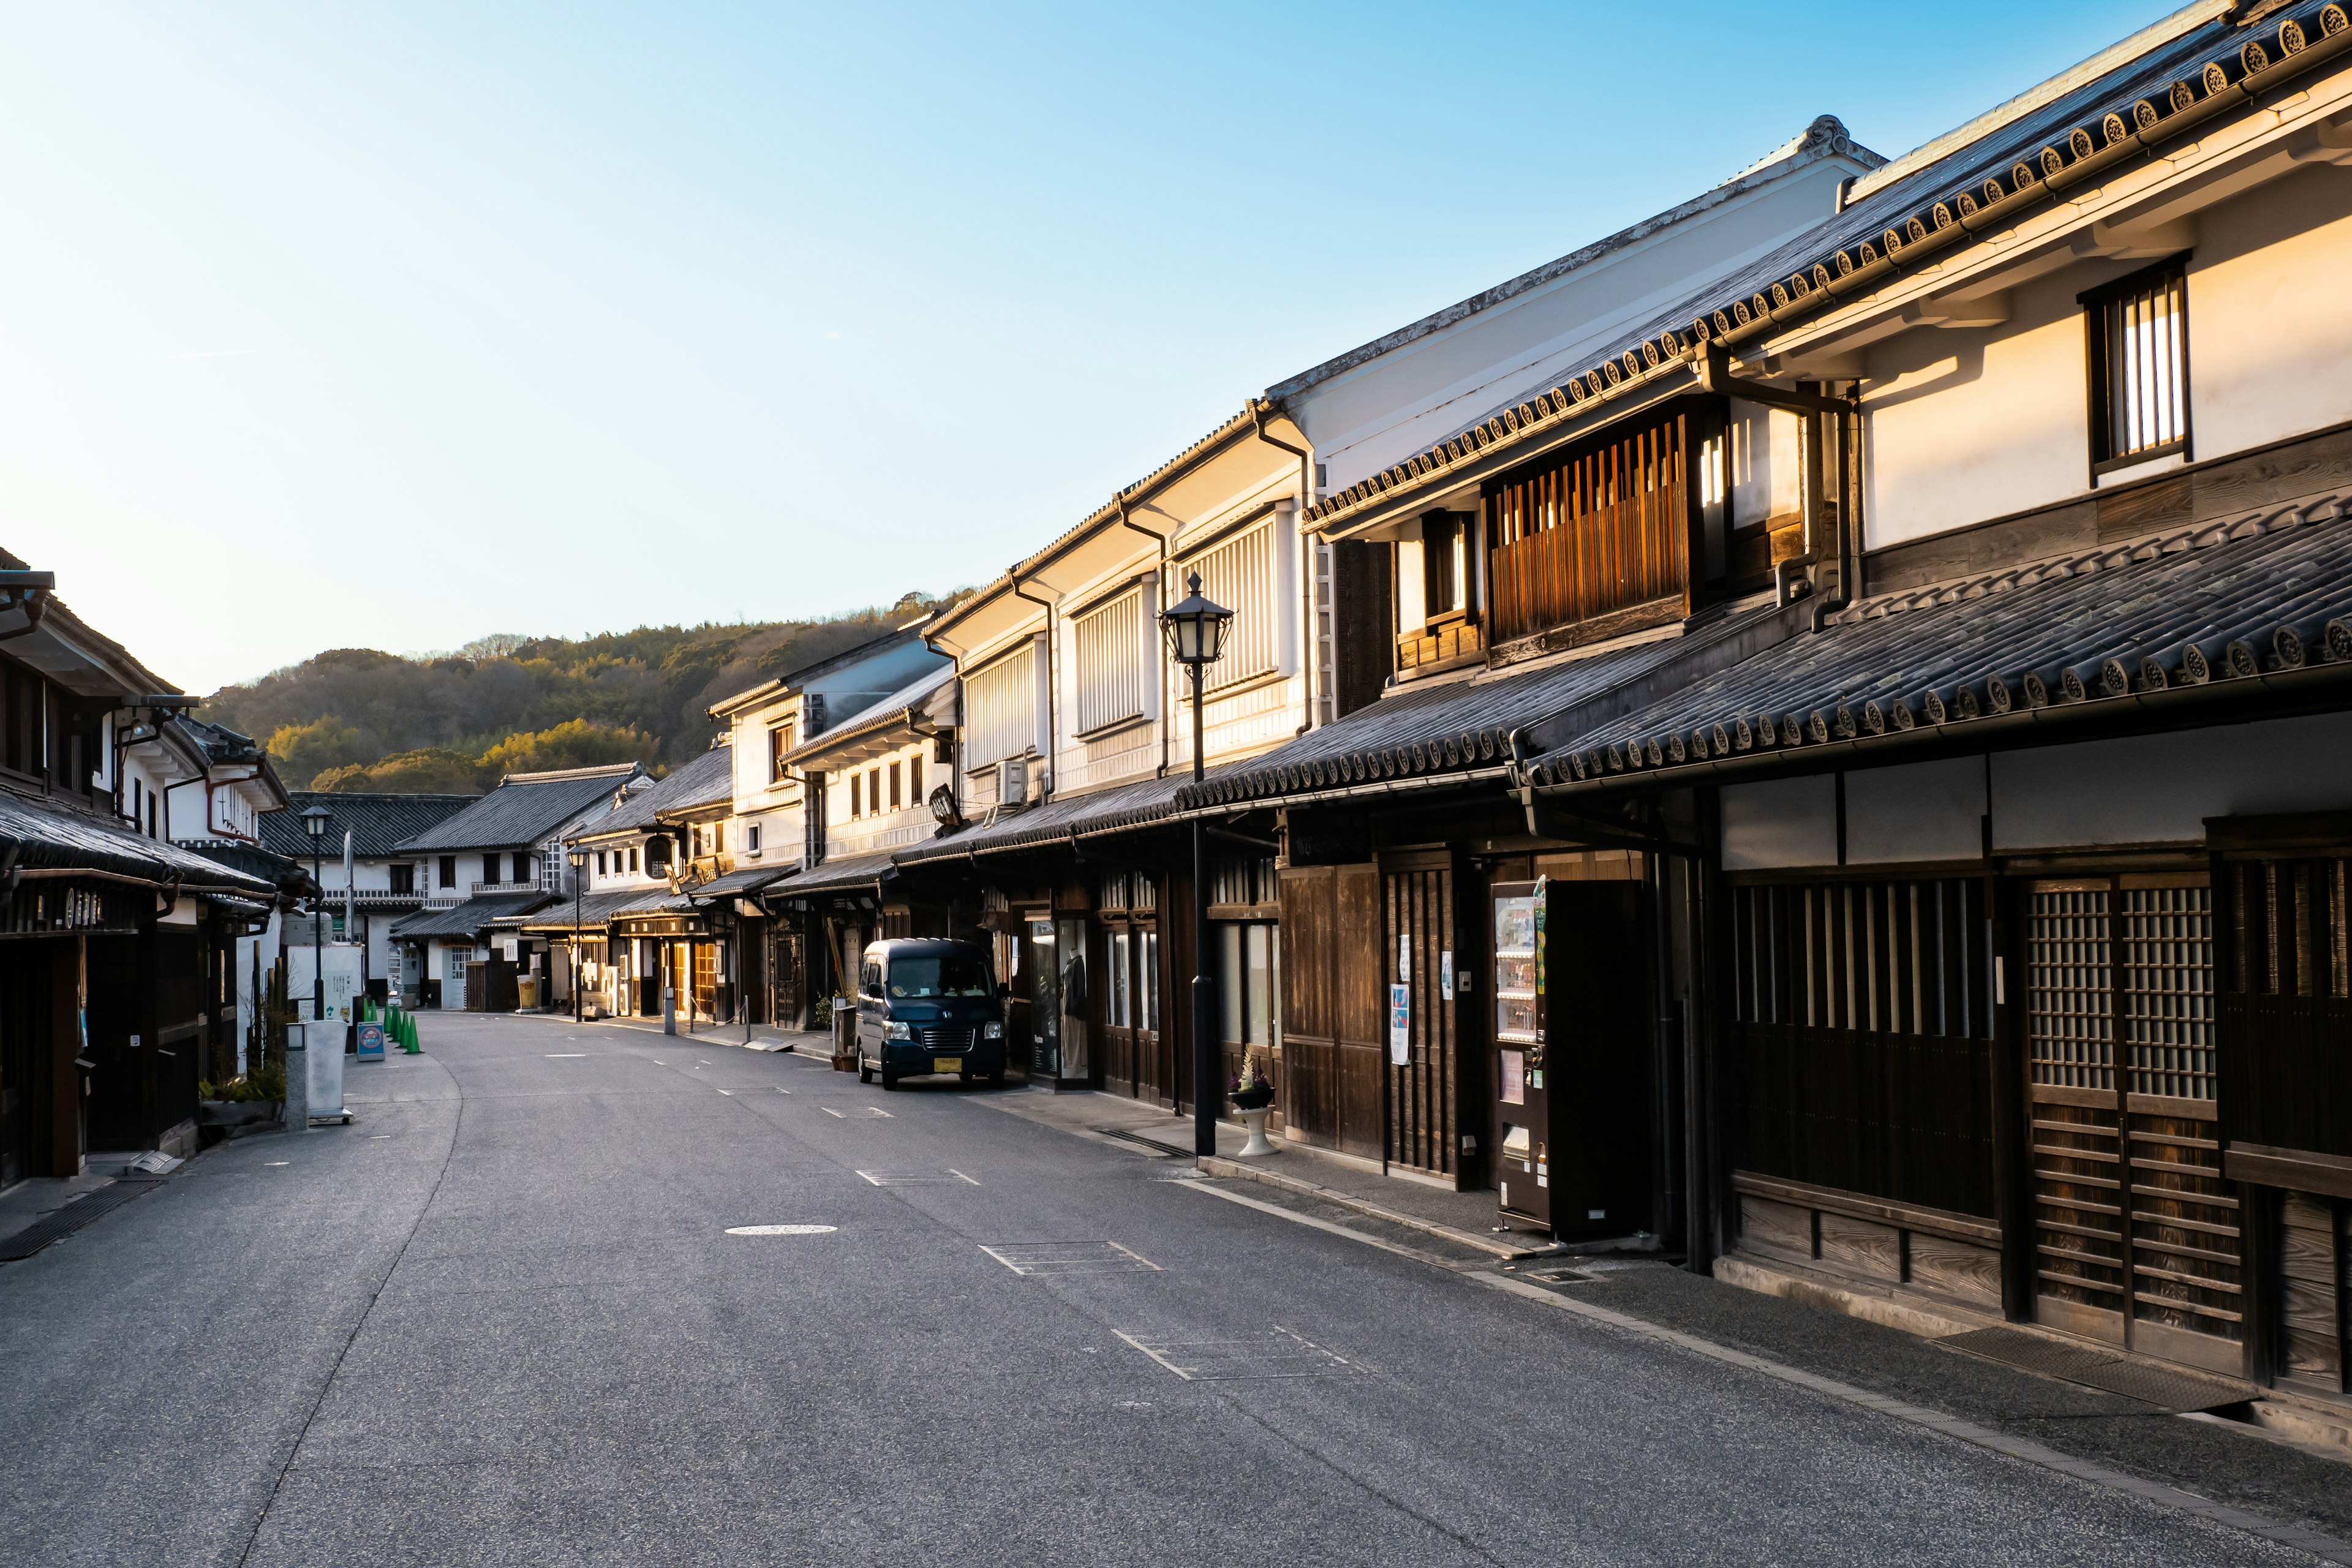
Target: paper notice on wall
[{"x": 1399, "y": 1023}]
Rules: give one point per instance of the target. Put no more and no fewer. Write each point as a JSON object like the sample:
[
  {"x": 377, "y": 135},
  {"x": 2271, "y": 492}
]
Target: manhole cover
[
  {"x": 917, "y": 1178},
  {"x": 1279, "y": 1353},
  {"x": 1069, "y": 1257},
  {"x": 781, "y": 1229}
]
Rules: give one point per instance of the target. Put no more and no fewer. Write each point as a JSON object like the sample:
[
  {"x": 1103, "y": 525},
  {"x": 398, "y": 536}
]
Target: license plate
[{"x": 947, "y": 1064}]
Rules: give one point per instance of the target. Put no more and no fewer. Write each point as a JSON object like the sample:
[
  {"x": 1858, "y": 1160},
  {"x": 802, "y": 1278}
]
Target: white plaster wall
[
  {"x": 1779, "y": 822},
  {"x": 2270, "y": 319},
  {"x": 1767, "y": 461},
  {"x": 1966, "y": 424},
  {"x": 2160, "y": 789},
  {"x": 1916, "y": 811}
]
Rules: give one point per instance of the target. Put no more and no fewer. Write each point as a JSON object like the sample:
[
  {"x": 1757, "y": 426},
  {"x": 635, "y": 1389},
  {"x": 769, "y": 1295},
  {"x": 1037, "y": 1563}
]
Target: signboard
[
  {"x": 512, "y": 948},
  {"x": 1399, "y": 1023},
  {"x": 371, "y": 1042}
]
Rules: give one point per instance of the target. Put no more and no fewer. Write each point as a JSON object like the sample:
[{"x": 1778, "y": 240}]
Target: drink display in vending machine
[{"x": 1573, "y": 1057}]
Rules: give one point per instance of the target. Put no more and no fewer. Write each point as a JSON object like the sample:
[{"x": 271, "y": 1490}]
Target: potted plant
[
  {"x": 1253, "y": 1096},
  {"x": 241, "y": 1102}
]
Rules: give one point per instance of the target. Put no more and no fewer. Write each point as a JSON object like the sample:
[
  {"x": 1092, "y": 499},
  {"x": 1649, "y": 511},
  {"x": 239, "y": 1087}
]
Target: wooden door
[
  {"x": 1334, "y": 1007},
  {"x": 1144, "y": 1000},
  {"x": 1417, "y": 942},
  {"x": 2137, "y": 1235}
]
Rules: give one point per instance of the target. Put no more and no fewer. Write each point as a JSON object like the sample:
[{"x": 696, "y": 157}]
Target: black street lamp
[
  {"x": 315, "y": 818},
  {"x": 1196, "y": 639},
  {"x": 579, "y": 858}
]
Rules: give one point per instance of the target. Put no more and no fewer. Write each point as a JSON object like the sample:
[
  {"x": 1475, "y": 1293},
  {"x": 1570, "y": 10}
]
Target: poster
[
  {"x": 1515, "y": 1078},
  {"x": 371, "y": 1042},
  {"x": 1399, "y": 1023}
]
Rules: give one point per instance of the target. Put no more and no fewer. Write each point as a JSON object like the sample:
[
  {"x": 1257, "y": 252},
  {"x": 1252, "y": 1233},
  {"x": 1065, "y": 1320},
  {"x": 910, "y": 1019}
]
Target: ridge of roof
[
  {"x": 710, "y": 776},
  {"x": 1986, "y": 187},
  {"x": 564, "y": 776},
  {"x": 1825, "y": 137},
  {"x": 2155, "y": 34}
]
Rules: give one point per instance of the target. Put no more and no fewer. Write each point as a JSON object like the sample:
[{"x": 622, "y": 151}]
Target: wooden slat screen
[
  {"x": 999, "y": 709},
  {"x": 1864, "y": 1019},
  {"x": 1602, "y": 531},
  {"x": 1418, "y": 935},
  {"x": 1240, "y": 575},
  {"x": 2286, "y": 1008},
  {"x": 1110, "y": 660}
]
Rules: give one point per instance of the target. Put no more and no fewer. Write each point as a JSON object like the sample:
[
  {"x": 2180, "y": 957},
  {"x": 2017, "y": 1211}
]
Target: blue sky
[{"x": 327, "y": 325}]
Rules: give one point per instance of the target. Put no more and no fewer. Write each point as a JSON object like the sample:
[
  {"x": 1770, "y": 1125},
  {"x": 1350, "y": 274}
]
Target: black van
[{"x": 928, "y": 1005}]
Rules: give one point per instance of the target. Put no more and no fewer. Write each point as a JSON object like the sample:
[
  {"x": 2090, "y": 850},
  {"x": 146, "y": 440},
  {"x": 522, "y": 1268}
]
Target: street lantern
[
  {"x": 315, "y": 818},
  {"x": 1196, "y": 628},
  {"x": 579, "y": 858}
]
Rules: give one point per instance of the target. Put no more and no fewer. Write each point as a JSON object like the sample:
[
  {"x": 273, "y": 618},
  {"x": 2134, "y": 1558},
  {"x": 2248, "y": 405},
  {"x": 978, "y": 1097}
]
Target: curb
[{"x": 1218, "y": 1166}]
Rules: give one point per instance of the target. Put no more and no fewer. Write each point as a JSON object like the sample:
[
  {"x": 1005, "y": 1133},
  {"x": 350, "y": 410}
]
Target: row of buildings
[{"x": 1812, "y": 733}]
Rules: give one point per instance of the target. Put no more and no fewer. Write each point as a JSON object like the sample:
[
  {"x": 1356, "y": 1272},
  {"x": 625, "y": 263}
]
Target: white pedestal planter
[{"x": 1255, "y": 1122}]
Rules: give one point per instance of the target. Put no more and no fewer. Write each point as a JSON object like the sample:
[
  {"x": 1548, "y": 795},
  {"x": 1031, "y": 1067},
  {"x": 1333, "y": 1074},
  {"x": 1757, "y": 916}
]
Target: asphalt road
[{"x": 502, "y": 1319}]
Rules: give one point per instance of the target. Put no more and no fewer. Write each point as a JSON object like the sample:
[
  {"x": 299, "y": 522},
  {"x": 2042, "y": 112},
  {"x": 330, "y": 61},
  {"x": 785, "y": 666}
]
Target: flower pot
[
  {"x": 235, "y": 1112},
  {"x": 1251, "y": 1098},
  {"x": 1254, "y": 1117}
]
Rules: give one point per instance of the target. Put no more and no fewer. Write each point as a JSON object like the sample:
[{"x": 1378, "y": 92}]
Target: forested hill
[{"x": 353, "y": 719}]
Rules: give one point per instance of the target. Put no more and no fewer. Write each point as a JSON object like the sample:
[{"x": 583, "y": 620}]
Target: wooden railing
[
  {"x": 1438, "y": 642},
  {"x": 1604, "y": 531}
]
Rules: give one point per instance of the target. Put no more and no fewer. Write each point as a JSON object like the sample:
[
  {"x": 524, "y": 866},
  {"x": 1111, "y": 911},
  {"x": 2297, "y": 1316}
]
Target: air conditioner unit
[{"x": 1013, "y": 783}]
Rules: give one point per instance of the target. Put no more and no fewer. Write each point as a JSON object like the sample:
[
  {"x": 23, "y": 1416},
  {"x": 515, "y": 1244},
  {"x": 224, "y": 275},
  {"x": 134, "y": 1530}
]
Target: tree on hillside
[
  {"x": 302, "y": 750},
  {"x": 430, "y": 772},
  {"x": 575, "y": 743}
]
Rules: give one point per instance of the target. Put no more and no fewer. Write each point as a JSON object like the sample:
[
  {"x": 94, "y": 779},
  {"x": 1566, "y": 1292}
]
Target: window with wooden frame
[
  {"x": 1435, "y": 592},
  {"x": 2137, "y": 331},
  {"x": 857, "y": 796},
  {"x": 780, "y": 745},
  {"x": 1599, "y": 538},
  {"x": 895, "y": 785},
  {"x": 999, "y": 709},
  {"x": 1112, "y": 666},
  {"x": 1240, "y": 575}
]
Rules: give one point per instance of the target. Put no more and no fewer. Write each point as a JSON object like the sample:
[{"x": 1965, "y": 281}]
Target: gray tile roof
[
  {"x": 377, "y": 823},
  {"x": 709, "y": 778},
  {"x": 43, "y": 836},
  {"x": 1460, "y": 727},
  {"x": 2126, "y": 114},
  {"x": 857, "y": 871},
  {"x": 2245, "y": 597},
  {"x": 1137, "y": 804},
  {"x": 743, "y": 881},
  {"x": 523, "y": 810},
  {"x": 467, "y": 918}
]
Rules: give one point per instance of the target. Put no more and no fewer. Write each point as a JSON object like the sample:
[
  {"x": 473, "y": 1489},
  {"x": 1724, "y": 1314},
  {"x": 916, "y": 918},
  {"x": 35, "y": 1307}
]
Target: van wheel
[
  {"x": 889, "y": 1079},
  {"x": 865, "y": 1073}
]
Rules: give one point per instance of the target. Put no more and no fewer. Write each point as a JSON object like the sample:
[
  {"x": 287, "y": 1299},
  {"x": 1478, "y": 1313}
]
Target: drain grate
[
  {"x": 917, "y": 1178},
  {"x": 1069, "y": 1257},
  {"x": 1154, "y": 1144},
  {"x": 1279, "y": 1353},
  {"x": 73, "y": 1217},
  {"x": 2092, "y": 1367}
]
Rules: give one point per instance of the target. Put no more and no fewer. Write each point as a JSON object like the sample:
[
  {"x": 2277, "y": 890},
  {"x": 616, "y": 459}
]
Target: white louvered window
[
  {"x": 999, "y": 709},
  {"x": 1111, "y": 670},
  {"x": 1239, "y": 574}
]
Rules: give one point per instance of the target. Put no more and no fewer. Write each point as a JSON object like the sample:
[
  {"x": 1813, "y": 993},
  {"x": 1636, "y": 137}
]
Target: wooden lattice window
[{"x": 2139, "y": 331}]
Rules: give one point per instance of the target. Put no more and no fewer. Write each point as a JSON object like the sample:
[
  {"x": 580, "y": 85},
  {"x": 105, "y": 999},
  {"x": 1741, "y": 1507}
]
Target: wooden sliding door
[{"x": 2137, "y": 1235}]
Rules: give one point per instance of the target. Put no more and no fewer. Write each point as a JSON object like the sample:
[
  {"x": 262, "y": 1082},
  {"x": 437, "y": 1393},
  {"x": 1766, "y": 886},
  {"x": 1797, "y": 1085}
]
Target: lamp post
[
  {"x": 1196, "y": 639},
  {"x": 315, "y": 818},
  {"x": 579, "y": 858}
]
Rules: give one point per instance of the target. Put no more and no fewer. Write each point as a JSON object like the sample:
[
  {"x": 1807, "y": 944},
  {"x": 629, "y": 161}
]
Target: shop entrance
[
  {"x": 2138, "y": 1238},
  {"x": 1044, "y": 1001}
]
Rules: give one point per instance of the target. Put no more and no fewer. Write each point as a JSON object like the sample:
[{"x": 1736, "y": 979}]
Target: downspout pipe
[
  {"x": 1160, "y": 600},
  {"x": 1259, "y": 408},
  {"x": 1053, "y": 681}
]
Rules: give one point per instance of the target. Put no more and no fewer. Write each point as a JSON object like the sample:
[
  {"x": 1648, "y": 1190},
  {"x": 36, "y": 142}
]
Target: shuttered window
[
  {"x": 1111, "y": 667},
  {"x": 999, "y": 709},
  {"x": 1239, "y": 574}
]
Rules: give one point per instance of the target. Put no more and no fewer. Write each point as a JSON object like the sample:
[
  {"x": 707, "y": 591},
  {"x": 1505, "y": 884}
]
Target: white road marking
[
  {"x": 277, "y": 1161},
  {"x": 565, "y": 1056},
  {"x": 960, "y": 1177},
  {"x": 1070, "y": 1258},
  {"x": 1284, "y": 1353},
  {"x": 726, "y": 1091},
  {"x": 829, "y": 1111},
  {"x": 781, "y": 1229},
  {"x": 916, "y": 1178}
]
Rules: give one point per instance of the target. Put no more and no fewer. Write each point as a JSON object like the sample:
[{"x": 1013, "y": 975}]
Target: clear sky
[{"x": 327, "y": 325}]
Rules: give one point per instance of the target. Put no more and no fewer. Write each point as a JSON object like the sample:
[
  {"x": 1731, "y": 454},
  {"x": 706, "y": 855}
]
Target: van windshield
[{"x": 941, "y": 974}]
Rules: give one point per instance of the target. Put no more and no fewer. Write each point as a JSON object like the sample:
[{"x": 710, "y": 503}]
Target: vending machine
[{"x": 1574, "y": 1056}]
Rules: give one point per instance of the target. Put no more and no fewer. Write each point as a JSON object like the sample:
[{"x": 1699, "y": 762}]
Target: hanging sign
[{"x": 1399, "y": 1023}]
